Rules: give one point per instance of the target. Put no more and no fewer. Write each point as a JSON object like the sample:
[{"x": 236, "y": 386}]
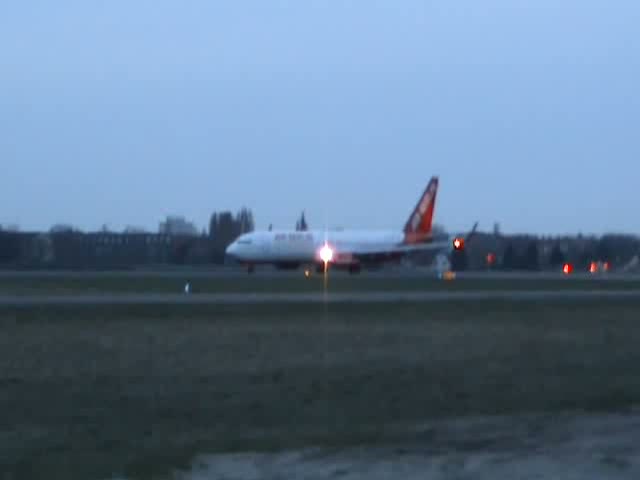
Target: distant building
[
  {"x": 61, "y": 228},
  {"x": 130, "y": 229},
  {"x": 175, "y": 225}
]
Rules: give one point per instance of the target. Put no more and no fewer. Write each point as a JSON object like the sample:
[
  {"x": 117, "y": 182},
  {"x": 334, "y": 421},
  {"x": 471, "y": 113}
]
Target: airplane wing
[{"x": 380, "y": 254}]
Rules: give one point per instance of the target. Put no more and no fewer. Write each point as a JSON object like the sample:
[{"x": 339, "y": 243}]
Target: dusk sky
[{"x": 122, "y": 112}]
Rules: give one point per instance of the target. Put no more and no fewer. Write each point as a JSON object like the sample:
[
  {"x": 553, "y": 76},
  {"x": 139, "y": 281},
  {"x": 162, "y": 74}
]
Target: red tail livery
[{"x": 418, "y": 226}]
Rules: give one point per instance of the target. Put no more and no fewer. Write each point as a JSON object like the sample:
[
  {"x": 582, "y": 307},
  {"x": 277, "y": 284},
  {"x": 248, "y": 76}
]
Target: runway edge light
[{"x": 449, "y": 275}]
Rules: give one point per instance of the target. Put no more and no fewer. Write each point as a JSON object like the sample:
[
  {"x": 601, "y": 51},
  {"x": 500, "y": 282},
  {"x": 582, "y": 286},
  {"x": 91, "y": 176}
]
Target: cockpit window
[{"x": 245, "y": 241}]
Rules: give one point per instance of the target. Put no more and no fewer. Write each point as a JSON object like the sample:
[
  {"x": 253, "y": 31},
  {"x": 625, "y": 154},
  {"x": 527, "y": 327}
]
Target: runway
[
  {"x": 270, "y": 273},
  {"x": 315, "y": 297}
]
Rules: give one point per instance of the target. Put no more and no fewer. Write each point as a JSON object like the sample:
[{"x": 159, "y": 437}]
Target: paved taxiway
[
  {"x": 316, "y": 297},
  {"x": 267, "y": 272}
]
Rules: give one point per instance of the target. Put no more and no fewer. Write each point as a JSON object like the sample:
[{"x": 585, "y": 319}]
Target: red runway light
[
  {"x": 567, "y": 268},
  {"x": 458, "y": 244}
]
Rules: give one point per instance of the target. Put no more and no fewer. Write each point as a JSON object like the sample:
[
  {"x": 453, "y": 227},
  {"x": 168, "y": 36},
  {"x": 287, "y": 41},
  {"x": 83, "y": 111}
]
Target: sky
[{"x": 120, "y": 113}]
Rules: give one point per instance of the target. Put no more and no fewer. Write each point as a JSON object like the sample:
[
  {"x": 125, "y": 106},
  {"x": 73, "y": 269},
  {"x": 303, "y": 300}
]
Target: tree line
[
  {"x": 224, "y": 228},
  {"x": 67, "y": 245}
]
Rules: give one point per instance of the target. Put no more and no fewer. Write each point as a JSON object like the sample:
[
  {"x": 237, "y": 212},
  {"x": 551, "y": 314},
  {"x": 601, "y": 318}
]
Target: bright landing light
[{"x": 326, "y": 253}]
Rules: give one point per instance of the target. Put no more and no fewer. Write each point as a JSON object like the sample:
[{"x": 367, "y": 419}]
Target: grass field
[
  {"x": 92, "y": 392},
  {"x": 123, "y": 283}
]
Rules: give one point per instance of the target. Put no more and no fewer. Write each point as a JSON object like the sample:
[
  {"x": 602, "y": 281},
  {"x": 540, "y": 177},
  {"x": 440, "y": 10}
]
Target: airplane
[{"x": 344, "y": 249}]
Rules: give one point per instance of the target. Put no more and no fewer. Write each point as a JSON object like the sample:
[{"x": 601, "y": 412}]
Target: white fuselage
[{"x": 305, "y": 246}]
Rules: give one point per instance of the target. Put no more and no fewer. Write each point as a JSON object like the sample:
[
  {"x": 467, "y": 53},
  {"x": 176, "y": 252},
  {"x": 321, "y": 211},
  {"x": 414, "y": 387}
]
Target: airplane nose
[{"x": 231, "y": 251}]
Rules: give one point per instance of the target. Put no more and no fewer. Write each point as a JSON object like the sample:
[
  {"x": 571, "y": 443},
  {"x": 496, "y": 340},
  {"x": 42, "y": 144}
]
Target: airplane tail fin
[{"x": 418, "y": 226}]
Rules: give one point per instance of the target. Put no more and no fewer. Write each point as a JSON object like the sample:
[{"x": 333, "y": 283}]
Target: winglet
[{"x": 472, "y": 232}]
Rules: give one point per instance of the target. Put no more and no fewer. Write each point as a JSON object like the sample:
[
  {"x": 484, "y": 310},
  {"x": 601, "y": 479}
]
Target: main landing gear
[{"x": 354, "y": 268}]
